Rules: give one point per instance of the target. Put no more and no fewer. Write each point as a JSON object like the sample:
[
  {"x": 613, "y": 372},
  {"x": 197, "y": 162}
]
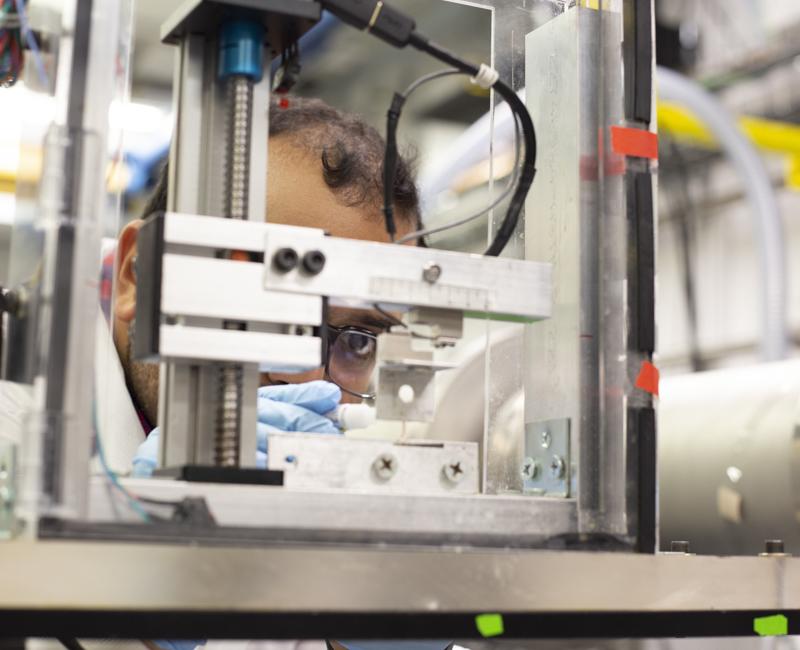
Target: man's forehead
[{"x": 298, "y": 195}]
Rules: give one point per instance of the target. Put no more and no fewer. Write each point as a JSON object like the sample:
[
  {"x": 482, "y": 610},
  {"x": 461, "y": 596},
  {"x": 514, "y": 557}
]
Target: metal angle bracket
[{"x": 546, "y": 467}]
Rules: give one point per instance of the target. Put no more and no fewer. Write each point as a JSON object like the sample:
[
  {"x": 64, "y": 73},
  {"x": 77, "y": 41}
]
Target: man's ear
[{"x": 125, "y": 278}]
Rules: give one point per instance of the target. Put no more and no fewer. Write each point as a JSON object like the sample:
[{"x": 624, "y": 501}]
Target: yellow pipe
[{"x": 767, "y": 135}]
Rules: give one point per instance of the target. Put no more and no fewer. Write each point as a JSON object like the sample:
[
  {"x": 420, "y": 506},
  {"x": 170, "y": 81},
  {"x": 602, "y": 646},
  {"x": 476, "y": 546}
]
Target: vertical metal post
[
  {"x": 578, "y": 362},
  {"x": 58, "y": 437},
  {"x": 207, "y": 412}
]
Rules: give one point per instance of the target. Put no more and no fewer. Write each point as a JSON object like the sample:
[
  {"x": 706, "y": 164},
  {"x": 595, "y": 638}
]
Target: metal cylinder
[{"x": 729, "y": 458}]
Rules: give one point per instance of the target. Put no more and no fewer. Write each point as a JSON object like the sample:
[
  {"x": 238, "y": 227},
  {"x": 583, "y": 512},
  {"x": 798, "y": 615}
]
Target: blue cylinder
[{"x": 241, "y": 49}]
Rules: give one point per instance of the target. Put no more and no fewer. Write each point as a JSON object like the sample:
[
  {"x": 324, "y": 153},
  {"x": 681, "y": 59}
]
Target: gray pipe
[{"x": 764, "y": 206}]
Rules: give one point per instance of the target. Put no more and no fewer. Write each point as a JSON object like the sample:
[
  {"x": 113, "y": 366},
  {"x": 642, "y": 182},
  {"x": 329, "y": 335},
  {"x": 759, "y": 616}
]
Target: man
[{"x": 325, "y": 171}]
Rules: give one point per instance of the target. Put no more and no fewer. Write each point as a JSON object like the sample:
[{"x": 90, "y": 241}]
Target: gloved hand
[
  {"x": 295, "y": 407},
  {"x": 290, "y": 407},
  {"x": 146, "y": 458}
]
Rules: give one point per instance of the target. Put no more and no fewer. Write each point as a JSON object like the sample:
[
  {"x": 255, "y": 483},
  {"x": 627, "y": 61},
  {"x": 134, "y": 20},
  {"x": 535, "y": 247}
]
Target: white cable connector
[{"x": 486, "y": 78}]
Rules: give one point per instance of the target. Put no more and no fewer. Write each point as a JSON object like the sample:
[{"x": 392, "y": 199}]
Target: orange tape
[
  {"x": 636, "y": 143},
  {"x": 648, "y": 378}
]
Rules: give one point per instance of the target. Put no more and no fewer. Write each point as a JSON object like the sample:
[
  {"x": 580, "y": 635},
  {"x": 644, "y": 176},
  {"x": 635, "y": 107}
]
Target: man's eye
[{"x": 360, "y": 345}]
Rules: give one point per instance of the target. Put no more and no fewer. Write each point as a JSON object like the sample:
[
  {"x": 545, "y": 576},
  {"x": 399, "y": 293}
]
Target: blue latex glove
[
  {"x": 180, "y": 644},
  {"x": 295, "y": 407},
  {"x": 290, "y": 407},
  {"x": 146, "y": 458}
]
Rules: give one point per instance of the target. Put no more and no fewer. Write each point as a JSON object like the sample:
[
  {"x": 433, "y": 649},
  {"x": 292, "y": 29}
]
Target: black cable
[
  {"x": 517, "y": 202},
  {"x": 394, "y": 27},
  {"x": 390, "y": 164},
  {"x": 391, "y": 154}
]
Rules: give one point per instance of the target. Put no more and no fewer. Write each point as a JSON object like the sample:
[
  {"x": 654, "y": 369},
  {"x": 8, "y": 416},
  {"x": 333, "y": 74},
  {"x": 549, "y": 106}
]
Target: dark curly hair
[{"x": 351, "y": 153}]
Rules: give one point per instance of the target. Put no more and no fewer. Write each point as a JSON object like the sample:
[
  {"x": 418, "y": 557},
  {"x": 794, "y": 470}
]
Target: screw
[
  {"x": 557, "y": 467},
  {"x": 313, "y": 262},
  {"x": 385, "y": 466},
  {"x": 431, "y": 272},
  {"x": 530, "y": 469},
  {"x": 284, "y": 259},
  {"x": 453, "y": 471},
  {"x": 679, "y": 546},
  {"x": 546, "y": 439}
]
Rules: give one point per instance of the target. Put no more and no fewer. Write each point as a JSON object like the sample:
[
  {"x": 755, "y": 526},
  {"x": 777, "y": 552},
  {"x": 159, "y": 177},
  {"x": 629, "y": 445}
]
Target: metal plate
[
  {"x": 315, "y": 461},
  {"x": 481, "y": 520},
  {"x": 546, "y": 467},
  {"x": 371, "y": 272}
]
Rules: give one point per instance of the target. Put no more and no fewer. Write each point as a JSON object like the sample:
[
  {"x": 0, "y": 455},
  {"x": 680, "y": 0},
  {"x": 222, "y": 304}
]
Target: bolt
[
  {"x": 453, "y": 471},
  {"x": 546, "y": 439},
  {"x": 385, "y": 466},
  {"x": 530, "y": 469},
  {"x": 284, "y": 259},
  {"x": 431, "y": 272},
  {"x": 774, "y": 548},
  {"x": 679, "y": 546},
  {"x": 557, "y": 467},
  {"x": 9, "y": 301},
  {"x": 313, "y": 262}
]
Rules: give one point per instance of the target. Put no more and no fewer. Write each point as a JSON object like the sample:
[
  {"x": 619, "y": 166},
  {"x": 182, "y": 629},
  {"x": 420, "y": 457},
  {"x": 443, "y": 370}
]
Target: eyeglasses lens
[{"x": 352, "y": 360}]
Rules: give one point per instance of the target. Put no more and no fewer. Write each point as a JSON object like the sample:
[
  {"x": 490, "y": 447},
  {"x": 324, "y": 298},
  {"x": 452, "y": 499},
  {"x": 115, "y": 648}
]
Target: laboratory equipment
[{"x": 222, "y": 293}]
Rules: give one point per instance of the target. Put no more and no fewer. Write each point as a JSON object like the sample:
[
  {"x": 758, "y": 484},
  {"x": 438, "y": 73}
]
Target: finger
[
  {"x": 290, "y": 417},
  {"x": 318, "y": 396}
]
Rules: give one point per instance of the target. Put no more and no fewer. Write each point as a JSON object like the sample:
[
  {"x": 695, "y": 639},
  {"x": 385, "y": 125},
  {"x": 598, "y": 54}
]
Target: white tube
[{"x": 767, "y": 222}]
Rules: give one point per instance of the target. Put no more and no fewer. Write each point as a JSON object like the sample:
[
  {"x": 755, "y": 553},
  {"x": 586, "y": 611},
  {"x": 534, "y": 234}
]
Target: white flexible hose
[{"x": 767, "y": 221}]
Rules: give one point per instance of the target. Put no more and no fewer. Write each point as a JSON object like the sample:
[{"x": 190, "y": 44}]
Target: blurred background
[{"x": 710, "y": 288}]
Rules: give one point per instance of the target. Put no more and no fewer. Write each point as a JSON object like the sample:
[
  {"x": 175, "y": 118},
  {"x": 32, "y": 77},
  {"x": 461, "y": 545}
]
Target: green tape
[
  {"x": 777, "y": 625},
  {"x": 489, "y": 624}
]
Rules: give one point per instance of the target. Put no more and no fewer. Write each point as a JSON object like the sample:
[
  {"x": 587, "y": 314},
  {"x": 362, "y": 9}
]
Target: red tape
[
  {"x": 648, "y": 378},
  {"x": 636, "y": 143}
]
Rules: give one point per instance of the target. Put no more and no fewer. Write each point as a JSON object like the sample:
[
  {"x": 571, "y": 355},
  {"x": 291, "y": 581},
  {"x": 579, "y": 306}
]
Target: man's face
[{"x": 296, "y": 195}]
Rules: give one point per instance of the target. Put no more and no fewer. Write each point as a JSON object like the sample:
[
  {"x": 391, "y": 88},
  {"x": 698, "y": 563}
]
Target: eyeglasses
[{"x": 351, "y": 359}]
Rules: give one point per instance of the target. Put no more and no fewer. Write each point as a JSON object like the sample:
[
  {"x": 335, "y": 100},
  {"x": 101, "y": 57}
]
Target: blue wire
[
  {"x": 31, "y": 41},
  {"x": 112, "y": 476}
]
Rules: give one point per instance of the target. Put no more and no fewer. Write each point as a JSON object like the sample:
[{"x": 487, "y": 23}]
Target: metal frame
[{"x": 389, "y": 593}]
